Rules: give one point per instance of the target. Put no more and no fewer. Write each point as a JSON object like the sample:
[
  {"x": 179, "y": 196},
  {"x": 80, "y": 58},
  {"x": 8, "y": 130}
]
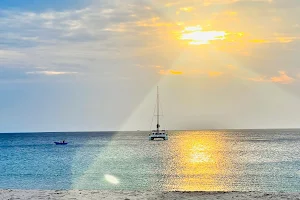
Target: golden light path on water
[
  {"x": 199, "y": 160},
  {"x": 189, "y": 161}
]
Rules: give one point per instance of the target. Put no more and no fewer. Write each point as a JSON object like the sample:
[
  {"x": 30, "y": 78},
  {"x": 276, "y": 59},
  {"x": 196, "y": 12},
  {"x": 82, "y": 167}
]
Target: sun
[{"x": 196, "y": 36}]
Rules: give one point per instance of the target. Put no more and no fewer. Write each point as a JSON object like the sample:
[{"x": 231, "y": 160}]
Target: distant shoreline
[{"x": 134, "y": 195}]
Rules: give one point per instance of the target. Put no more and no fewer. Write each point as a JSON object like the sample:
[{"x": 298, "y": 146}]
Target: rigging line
[{"x": 153, "y": 117}]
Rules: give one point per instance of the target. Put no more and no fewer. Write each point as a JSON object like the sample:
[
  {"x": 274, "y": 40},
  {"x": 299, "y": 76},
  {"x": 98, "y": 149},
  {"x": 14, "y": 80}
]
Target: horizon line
[{"x": 114, "y": 131}]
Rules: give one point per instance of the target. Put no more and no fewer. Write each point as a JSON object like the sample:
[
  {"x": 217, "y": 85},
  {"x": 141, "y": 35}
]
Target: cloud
[
  {"x": 8, "y": 55},
  {"x": 87, "y": 24},
  {"x": 172, "y": 3},
  {"x": 191, "y": 72},
  {"x": 232, "y": 67},
  {"x": 275, "y": 39},
  {"x": 259, "y": 79},
  {"x": 215, "y": 73},
  {"x": 176, "y": 72},
  {"x": 212, "y": 2},
  {"x": 170, "y": 72},
  {"x": 86, "y": 40},
  {"x": 186, "y": 9},
  {"x": 283, "y": 78},
  {"x": 51, "y": 73},
  {"x": 119, "y": 34}
]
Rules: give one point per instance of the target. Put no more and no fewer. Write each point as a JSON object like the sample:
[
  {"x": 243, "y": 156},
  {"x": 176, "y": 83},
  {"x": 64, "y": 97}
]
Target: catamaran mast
[{"x": 157, "y": 126}]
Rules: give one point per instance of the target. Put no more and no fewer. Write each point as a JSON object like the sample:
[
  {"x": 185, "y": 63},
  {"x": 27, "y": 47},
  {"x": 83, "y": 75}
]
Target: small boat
[
  {"x": 156, "y": 134},
  {"x": 61, "y": 143}
]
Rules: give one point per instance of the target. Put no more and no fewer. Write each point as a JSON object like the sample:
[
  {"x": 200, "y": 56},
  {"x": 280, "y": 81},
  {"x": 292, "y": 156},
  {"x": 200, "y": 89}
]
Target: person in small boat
[{"x": 63, "y": 141}]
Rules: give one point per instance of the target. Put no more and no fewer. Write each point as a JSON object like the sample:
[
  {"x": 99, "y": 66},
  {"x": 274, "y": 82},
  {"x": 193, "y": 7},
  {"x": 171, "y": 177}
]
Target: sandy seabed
[{"x": 132, "y": 195}]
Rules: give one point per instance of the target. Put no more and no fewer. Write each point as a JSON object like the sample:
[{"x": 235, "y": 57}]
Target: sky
[{"x": 94, "y": 65}]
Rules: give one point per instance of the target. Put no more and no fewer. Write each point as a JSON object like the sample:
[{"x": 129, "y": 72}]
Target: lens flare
[{"x": 111, "y": 179}]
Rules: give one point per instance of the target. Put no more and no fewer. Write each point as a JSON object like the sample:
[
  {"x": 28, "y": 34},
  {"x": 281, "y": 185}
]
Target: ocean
[{"x": 205, "y": 160}]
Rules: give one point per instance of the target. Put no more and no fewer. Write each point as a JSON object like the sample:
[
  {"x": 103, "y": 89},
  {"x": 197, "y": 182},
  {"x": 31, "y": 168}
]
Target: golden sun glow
[
  {"x": 196, "y": 36},
  {"x": 200, "y": 154}
]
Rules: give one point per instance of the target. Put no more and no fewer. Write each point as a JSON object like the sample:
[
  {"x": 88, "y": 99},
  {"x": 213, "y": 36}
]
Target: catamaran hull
[{"x": 153, "y": 137}]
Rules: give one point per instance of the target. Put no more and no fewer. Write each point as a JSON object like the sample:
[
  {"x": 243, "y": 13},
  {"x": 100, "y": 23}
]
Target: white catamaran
[{"x": 158, "y": 133}]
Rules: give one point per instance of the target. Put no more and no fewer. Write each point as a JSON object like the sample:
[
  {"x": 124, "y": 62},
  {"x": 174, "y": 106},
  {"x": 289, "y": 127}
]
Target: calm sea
[{"x": 239, "y": 160}]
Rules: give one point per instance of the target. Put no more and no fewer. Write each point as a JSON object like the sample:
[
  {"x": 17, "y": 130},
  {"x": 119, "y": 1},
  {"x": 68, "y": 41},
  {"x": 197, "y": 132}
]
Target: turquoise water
[{"x": 239, "y": 160}]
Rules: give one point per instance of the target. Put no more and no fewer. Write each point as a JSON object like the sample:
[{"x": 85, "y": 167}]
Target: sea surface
[{"x": 225, "y": 160}]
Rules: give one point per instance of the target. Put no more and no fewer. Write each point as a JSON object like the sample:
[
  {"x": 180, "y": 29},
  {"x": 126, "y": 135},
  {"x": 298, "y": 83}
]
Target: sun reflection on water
[
  {"x": 201, "y": 162},
  {"x": 198, "y": 155}
]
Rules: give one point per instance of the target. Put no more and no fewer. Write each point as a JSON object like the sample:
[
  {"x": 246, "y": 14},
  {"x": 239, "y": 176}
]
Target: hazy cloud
[
  {"x": 283, "y": 78},
  {"x": 51, "y": 73}
]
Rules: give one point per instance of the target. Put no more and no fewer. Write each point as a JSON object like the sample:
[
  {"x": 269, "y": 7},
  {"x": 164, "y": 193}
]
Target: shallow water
[{"x": 229, "y": 160}]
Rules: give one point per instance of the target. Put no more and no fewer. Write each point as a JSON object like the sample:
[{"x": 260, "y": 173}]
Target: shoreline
[{"x": 134, "y": 195}]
